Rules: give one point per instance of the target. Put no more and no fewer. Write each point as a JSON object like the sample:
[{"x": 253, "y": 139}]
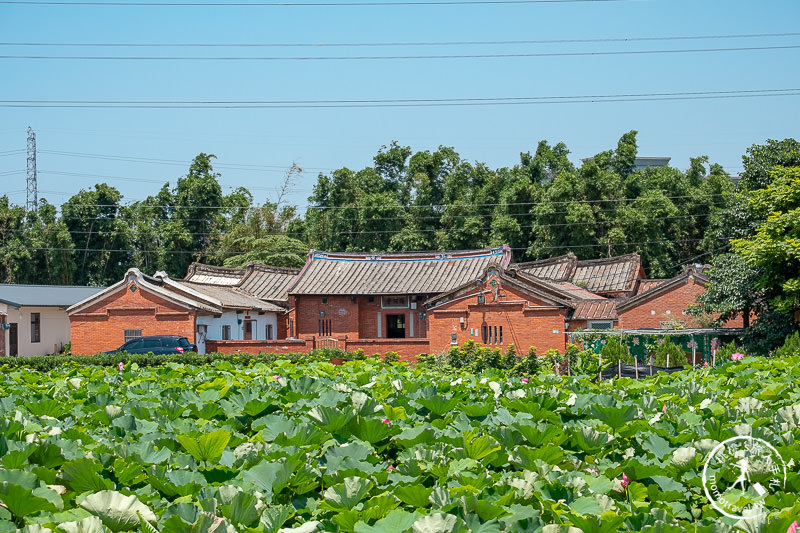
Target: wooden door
[{"x": 13, "y": 341}]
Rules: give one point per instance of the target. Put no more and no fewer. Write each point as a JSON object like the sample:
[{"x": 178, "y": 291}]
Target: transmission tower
[{"x": 31, "y": 192}]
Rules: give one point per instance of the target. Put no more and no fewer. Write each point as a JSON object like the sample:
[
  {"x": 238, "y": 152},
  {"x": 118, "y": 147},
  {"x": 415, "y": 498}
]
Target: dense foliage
[
  {"x": 542, "y": 206},
  {"x": 368, "y": 447}
]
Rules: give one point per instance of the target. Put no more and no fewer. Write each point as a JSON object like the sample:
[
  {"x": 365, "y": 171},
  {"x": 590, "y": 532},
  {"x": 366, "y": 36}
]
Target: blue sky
[{"x": 137, "y": 150}]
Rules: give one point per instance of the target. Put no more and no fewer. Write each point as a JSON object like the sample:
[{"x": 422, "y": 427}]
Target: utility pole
[{"x": 31, "y": 190}]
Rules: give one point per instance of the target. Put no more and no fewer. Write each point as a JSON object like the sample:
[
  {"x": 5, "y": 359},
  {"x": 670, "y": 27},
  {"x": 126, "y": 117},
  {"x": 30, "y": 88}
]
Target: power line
[
  {"x": 428, "y": 206},
  {"x": 396, "y": 102},
  {"x": 395, "y": 44},
  {"x": 399, "y": 57},
  {"x": 231, "y": 252},
  {"x": 178, "y": 162}
]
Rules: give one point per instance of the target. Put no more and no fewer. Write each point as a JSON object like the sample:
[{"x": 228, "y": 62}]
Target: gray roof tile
[{"x": 394, "y": 273}]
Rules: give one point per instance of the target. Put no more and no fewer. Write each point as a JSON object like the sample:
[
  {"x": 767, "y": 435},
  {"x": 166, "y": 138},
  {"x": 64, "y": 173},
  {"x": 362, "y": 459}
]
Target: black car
[{"x": 157, "y": 344}]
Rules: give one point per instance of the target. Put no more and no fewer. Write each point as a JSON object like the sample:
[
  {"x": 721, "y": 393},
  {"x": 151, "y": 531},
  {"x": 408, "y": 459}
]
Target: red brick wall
[
  {"x": 353, "y": 317},
  {"x": 279, "y": 346},
  {"x": 101, "y": 327},
  {"x": 407, "y": 349},
  {"x": 525, "y": 322}
]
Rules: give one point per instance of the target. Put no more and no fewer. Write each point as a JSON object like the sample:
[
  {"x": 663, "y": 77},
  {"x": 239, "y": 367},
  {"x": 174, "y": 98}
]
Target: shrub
[
  {"x": 613, "y": 352},
  {"x": 791, "y": 346},
  {"x": 677, "y": 357}
]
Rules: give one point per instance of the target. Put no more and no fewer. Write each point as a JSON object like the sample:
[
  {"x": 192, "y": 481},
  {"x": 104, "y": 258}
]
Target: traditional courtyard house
[
  {"x": 142, "y": 305},
  {"x": 503, "y": 307},
  {"x": 375, "y": 301},
  {"x": 33, "y": 318}
]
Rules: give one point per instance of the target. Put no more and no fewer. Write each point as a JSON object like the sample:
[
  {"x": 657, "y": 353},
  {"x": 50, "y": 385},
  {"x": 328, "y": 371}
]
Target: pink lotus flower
[
  {"x": 737, "y": 356},
  {"x": 664, "y": 409},
  {"x": 386, "y": 421},
  {"x": 121, "y": 366},
  {"x": 525, "y": 380},
  {"x": 390, "y": 468},
  {"x": 625, "y": 481},
  {"x": 593, "y": 471},
  {"x": 276, "y": 376},
  {"x": 706, "y": 364},
  {"x": 793, "y": 527}
]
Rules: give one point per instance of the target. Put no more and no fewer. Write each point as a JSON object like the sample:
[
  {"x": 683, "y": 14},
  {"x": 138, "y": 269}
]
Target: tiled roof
[
  {"x": 613, "y": 274},
  {"x": 45, "y": 295},
  {"x": 559, "y": 268},
  {"x": 394, "y": 273},
  {"x": 648, "y": 285},
  {"x": 577, "y": 293},
  {"x": 151, "y": 284},
  {"x": 267, "y": 282},
  {"x": 214, "y": 275},
  {"x": 595, "y": 310},
  {"x": 231, "y": 297}
]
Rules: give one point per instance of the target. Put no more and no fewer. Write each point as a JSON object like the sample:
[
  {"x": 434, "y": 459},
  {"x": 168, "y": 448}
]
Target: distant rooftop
[
  {"x": 330, "y": 273},
  {"x": 44, "y": 295}
]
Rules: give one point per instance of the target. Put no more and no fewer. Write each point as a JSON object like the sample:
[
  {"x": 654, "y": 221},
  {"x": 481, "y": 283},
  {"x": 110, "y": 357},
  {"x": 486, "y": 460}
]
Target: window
[
  {"x": 600, "y": 324},
  {"x": 269, "y": 332},
  {"x": 131, "y": 334},
  {"x": 291, "y": 329},
  {"x": 36, "y": 326},
  {"x": 492, "y": 334},
  {"x": 394, "y": 302},
  {"x": 226, "y": 333}
]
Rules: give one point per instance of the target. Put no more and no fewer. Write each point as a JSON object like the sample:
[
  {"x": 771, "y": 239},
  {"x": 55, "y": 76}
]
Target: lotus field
[{"x": 369, "y": 447}]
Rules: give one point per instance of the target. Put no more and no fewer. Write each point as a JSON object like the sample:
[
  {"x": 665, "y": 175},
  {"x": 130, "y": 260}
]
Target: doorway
[
  {"x": 396, "y": 326},
  {"x": 13, "y": 341},
  {"x": 248, "y": 329}
]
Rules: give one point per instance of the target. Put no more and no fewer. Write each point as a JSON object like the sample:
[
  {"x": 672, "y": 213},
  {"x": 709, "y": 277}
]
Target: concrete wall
[{"x": 54, "y": 330}]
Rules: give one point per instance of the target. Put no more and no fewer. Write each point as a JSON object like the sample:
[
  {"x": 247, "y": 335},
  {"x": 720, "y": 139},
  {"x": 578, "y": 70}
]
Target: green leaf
[
  {"x": 22, "y": 502},
  {"x": 91, "y": 524},
  {"x": 346, "y": 495},
  {"x": 208, "y": 447},
  {"x": 270, "y": 476},
  {"x": 83, "y": 475},
  {"x": 415, "y": 495},
  {"x": 479, "y": 447},
  {"x": 438, "y": 523},
  {"x": 396, "y": 521}
]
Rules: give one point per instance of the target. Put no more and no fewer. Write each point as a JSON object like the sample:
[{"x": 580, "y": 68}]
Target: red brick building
[
  {"x": 141, "y": 305},
  {"x": 375, "y": 301}
]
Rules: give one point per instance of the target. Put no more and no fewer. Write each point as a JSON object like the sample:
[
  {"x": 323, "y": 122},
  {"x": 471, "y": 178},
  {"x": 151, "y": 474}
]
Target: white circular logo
[{"x": 740, "y": 473}]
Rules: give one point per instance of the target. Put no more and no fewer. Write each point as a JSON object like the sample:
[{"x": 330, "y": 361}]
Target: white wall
[
  {"x": 231, "y": 318},
  {"x": 54, "y": 330}
]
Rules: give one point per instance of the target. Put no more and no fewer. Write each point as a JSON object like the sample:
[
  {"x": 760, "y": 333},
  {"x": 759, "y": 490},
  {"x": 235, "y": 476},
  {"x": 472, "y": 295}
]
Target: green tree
[
  {"x": 14, "y": 252},
  {"x": 774, "y": 249},
  {"x": 102, "y": 240}
]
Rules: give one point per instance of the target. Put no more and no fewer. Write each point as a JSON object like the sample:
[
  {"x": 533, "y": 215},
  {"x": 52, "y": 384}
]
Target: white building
[{"x": 33, "y": 318}]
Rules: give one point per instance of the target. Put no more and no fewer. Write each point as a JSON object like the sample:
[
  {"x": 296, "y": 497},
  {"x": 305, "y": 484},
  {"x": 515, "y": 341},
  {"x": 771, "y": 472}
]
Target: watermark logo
[{"x": 740, "y": 473}]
